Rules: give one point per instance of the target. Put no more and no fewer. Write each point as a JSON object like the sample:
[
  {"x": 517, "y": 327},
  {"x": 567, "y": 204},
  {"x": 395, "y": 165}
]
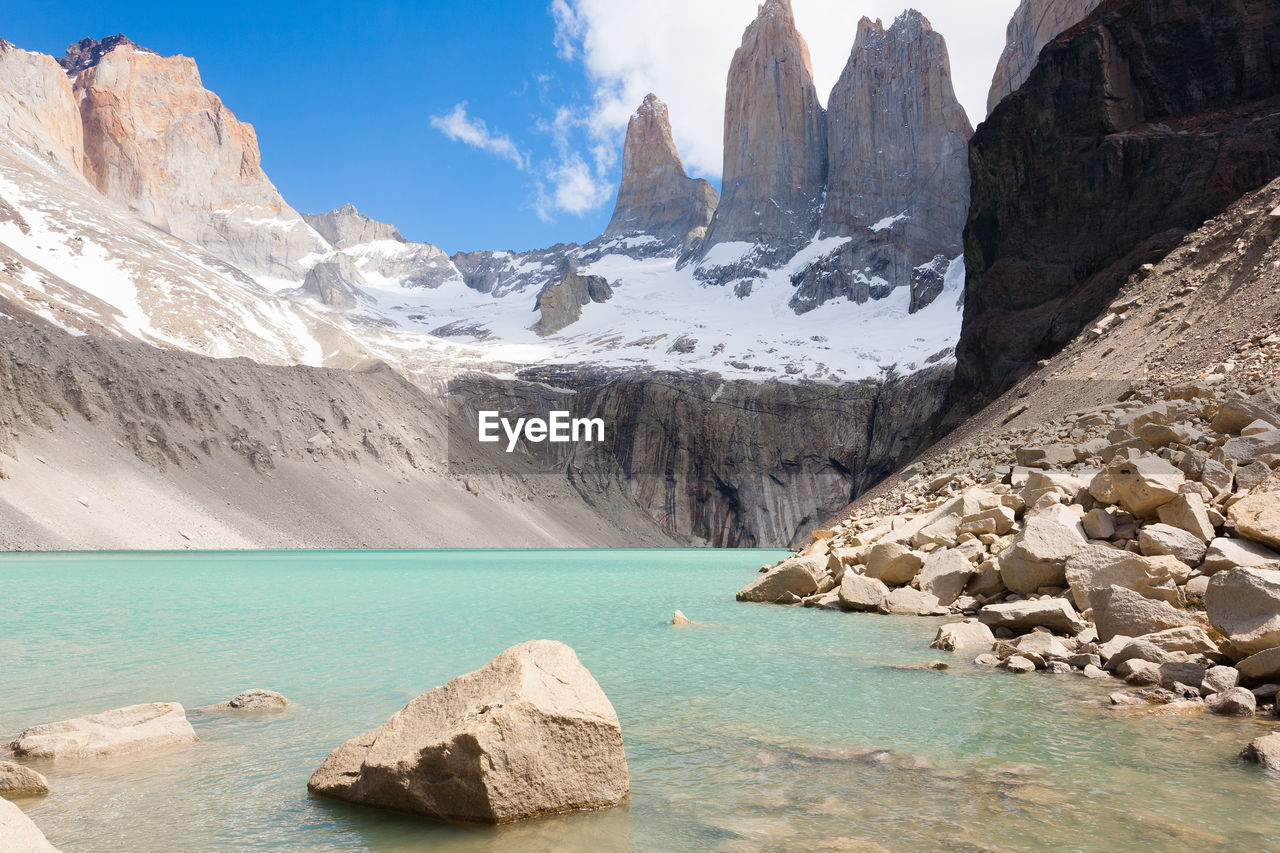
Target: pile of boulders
[{"x": 1140, "y": 543}]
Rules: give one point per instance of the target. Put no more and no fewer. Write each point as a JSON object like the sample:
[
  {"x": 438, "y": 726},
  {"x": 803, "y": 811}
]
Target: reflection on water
[{"x": 767, "y": 729}]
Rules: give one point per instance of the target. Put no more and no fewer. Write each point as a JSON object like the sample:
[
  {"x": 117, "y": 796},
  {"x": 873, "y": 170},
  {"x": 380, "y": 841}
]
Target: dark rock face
[
  {"x": 857, "y": 271},
  {"x": 1134, "y": 128},
  {"x": 656, "y": 197},
  {"x": 87, "y": 52},
  {"x": 927, "y": 281},
  {"x": 560, "y": 304},
  {"x": 735, "y": 464},
  {"x": 775, "y": 140},
  {"x": 1035, "y": 23}
]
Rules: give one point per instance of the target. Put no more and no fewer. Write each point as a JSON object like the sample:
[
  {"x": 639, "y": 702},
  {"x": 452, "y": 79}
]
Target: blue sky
[
  {"x": 482, "y": 125},
  {"x": 342, "y": 98}
]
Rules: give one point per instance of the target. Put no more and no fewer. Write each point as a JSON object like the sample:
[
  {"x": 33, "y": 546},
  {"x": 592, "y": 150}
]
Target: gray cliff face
[
  {"x": 336, "y": 283},
  {"x": 345, "y": 227},
  {"x": 775, "y": 140},
  {"x": 656, "y": 197},
  {"x": 733, "y": 464},
  {"x": 560, "y": 304},
  {"x": 897, "y": 150},
  {"x": 1035, "y": 23}
]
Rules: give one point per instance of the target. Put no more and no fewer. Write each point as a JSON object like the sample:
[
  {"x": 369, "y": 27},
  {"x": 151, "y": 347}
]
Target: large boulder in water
[
  {"x": 530, "y": 733},
  {"x": 18, "y": 834},
  {"x": 792, "y": 579},
  {"x": 137, "y": 727}
]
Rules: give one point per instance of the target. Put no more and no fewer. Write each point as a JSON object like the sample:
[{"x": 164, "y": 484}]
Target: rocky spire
[
  {"x": 775, "y": 141},
  {"x": 656, "y": 196},
  {"x": 897, "y": 138},
  {"x": 1035, "y": 23},
  {"x": 88, "y": 52}
]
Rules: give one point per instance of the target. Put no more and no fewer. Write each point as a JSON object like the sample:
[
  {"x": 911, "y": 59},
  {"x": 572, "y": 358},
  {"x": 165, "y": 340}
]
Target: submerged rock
[
  {"x": 17, "y": 781},
  {"x": 528, "y": 734},
  {"x": 1264, "y": 750},
  {"x": 137, "y": 727},
  {"x": 254, "y": 699}
]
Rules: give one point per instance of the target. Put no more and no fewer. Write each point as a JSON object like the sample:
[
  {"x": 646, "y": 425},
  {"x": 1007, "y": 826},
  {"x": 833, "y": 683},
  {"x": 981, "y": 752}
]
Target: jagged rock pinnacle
[
  {"x": 88, "y": 52},
  {"x": 775, "y": 153},
  {"x": 656, "y": 196}
]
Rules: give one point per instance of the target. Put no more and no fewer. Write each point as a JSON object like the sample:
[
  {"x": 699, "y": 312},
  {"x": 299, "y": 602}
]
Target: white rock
[
  {"x": 962, "y": 636},
  {"x": 528, "y": 734},
  {"x": 1244, "y": 606},
  {"x": 945, "y": 575},
  {"x": 18, "y": 834},
  {"x": 1143, "y": 485},
  {"x": 137, "y": 727},
  {"x": 1227, "y": 554}
]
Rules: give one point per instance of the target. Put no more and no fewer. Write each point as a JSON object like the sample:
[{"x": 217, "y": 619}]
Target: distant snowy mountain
[{"x": 86, "y": 171}]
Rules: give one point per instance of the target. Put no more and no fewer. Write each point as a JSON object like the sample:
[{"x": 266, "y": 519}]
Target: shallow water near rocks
[{"x": 764, "y": 728}]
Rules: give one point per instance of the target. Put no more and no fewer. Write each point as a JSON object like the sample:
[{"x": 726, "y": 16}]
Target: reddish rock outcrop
[
  {"x": 1035, "y": 23},
  {"x": 656, "y": 196},
  {"x": 159, "y": 143},
  {"x": 775, "y": 140},
  {"x": 1134, "y": 128}
]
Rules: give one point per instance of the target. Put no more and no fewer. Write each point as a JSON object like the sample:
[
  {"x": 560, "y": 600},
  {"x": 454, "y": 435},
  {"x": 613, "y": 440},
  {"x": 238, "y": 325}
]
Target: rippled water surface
[{"x": 765, "y": 728}]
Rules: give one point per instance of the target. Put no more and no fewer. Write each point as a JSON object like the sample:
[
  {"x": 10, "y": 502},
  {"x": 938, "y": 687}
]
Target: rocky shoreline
[{"x": 1136, "y": 543}]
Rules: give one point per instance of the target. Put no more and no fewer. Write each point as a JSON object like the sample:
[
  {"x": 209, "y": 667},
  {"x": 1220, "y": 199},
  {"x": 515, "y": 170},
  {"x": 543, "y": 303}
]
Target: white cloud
[
  {"x": 572, "y": 187},
  {"x": 681, "y": 51},
  {"x": 569, "y": 184},
  {"x": 460, "y": 127}
]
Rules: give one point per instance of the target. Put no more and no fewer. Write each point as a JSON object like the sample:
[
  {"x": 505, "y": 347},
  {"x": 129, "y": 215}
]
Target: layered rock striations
[
  {"x": 159, "y": 143},
  {"x": 1035, "y": 23},
  {"x": 38, "y": 108},
  {"x": 656, "y": 197},
  {"x": 1133, "y": 129},
  {"x": 736, "y": 463},
  {"x": 898, "y": 174},
  {"x": 775, "y": 140}
]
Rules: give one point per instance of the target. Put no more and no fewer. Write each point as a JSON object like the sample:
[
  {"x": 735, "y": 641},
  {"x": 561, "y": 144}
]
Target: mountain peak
[
  {"x": 345, "y": 227},
  {"x": 656, "y": 196},
  {"x": 88, "y": 52},
  {"x": 775, "y": 157}
]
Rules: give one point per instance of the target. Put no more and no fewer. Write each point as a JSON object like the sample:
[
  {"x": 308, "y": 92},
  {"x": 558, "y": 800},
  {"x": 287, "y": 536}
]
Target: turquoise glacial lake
[{"x": 763, "y": 728}]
